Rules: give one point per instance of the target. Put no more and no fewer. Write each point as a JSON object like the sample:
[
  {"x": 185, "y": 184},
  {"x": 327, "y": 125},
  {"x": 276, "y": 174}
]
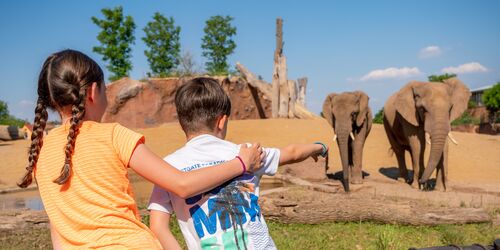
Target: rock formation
[{"x": 142, "y": 104}]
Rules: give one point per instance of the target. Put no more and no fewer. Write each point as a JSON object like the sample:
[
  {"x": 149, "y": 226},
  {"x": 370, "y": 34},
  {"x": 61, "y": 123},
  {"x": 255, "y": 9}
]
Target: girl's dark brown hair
[{"x": 62, "y": 84}]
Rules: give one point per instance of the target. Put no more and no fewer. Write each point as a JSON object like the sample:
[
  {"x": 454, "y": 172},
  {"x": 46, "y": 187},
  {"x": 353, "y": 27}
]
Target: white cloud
[
  {"x": 26, "y": 103},
  {"x": 392, "y": 72},
  {"x": 473, "y": 67},
  {"x": 430, "y": 51}
]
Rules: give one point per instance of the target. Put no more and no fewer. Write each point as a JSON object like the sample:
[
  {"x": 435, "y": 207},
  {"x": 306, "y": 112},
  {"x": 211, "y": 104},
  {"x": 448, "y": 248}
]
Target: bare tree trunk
[
  {"x": 292, "y": 88},
  {"x": 301, "y": 96},
  {"x": 300, "y": 111},
  {"x": 261, "y": 85},
  {"x": 284, "y": 96},
  {"x": 275, "y": 99}
]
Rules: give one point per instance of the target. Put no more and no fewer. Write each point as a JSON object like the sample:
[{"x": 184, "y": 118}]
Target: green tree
[
  {"x": 4, "y": 109},
  {"x": 218, "y": 44},
  {"x": 162, "y": 38},
  {"x": 440, "y": 78},
  {"x": 491, "y": 99},
  {"x": 116, "y": 36},
  {"x": 6, "y": 118},
  {"x": 379, "y": 117}
]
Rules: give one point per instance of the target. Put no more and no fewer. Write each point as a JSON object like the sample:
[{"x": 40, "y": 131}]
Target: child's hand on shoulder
[{"x": 252, "y": 156}]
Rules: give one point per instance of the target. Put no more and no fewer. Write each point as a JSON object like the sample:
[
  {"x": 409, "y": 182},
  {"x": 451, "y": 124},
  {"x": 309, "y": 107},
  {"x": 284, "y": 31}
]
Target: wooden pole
[
  {"x": 292, "y": 88},
  {"x": 284, "y": 95},
  {"x": 275, "y": 99},
  {"x": 301, "y": 96}
]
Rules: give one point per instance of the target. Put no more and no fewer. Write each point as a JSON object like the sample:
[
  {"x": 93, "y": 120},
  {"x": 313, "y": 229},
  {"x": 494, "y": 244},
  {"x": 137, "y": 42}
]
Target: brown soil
[{"x": 475, "y": 161}]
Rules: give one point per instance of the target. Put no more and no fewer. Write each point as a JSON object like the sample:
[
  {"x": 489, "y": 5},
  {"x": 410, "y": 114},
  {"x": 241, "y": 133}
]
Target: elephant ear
[
  {"x": 459, "y": 95},
  {"x": 327, "y": 109},
  {"x": 363, "y": 107},
  {"x": 405, "y": 103}
]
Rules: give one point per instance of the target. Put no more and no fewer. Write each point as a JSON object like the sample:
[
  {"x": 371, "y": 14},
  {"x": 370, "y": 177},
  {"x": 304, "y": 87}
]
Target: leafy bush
[
  {"x": 8, "y": 119},
  {"x": 472, "y": 104},
  {"x": 440, "y": 78},
  {"x": 379, "y": 117},
  {"x": 466, "y": 118},
  {"x": 491, "y": 98}
]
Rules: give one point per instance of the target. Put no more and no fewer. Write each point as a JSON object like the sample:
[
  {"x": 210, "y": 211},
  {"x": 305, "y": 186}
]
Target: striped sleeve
[{"x": 125, "y": 141}]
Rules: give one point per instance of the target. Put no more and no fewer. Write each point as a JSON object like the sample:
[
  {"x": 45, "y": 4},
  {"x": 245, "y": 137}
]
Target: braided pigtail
[
  {"x": 41, "y": 116},
  {"x": 77, "y": 113},
  {"x": 39, "y": 123}
]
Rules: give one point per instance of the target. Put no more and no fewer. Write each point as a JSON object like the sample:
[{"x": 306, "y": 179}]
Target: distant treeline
[{"x": 162, "y": 38}]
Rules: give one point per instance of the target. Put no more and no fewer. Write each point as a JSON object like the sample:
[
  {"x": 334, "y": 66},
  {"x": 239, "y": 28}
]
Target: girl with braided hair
[{"x": 89, "y": 201}]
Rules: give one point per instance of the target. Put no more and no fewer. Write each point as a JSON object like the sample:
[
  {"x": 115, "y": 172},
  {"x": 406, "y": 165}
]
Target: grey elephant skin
[
  {"x": 421, "y": 108},
  {"x": 351, "y": 119}
]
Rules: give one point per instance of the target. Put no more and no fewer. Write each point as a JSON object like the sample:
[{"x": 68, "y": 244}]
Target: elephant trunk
[
  {"x": 343, "y": 141},
  {"x": 438, "y": 140}
]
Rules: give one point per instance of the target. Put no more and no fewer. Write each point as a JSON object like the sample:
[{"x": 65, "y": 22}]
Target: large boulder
[
  {"x": 8, "y": 133},
  {"x": 142, "y": 104}
]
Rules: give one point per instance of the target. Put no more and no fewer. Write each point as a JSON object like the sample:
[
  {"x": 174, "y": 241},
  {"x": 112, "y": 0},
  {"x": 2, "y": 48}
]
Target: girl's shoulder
[{"x": 114, "y": 128}]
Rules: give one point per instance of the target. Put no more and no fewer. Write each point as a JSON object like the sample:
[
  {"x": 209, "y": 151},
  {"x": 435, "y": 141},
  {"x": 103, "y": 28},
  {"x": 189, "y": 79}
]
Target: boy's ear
[{"x": 222, "y": 122}]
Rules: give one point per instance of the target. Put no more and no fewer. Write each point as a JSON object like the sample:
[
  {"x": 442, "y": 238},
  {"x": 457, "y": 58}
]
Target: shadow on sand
[
  {"x": 393, "y": 173},
  {"x": 339, "y": 176}
]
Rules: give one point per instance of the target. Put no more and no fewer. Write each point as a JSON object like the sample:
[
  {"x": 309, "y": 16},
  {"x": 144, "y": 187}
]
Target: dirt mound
[{"x": 144, "y": 104}]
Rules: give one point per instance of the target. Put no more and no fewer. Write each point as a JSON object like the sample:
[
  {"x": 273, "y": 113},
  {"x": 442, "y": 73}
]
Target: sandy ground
[{"x": 474, "y": 163}]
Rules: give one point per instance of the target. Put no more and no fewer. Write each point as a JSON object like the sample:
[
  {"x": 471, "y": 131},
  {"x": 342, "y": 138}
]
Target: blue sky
[{"x": 374, "y": 46}]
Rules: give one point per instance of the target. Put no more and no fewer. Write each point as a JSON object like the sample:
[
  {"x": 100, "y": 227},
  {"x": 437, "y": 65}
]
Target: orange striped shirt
[{"x": 96, "y": 207}]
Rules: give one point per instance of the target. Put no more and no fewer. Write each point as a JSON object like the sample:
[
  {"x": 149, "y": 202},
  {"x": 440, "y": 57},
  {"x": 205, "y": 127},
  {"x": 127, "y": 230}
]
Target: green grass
[{"x": 323, "y": 236}]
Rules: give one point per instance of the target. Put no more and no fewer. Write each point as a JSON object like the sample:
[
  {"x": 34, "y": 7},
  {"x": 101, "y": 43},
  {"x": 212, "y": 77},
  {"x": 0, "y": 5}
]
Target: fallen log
[
  {"x": 23, "y": 219},
  {"x": 301, "y": 205}
]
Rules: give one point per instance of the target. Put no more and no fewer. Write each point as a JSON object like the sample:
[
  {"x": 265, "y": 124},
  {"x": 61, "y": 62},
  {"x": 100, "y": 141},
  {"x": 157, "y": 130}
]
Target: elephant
[
  {"x": 351, "y": 118},
  {"x": 420, "y": 110}
]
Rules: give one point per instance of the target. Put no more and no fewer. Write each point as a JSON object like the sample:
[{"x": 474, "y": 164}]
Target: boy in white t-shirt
[{"x": 229, "y": 216}]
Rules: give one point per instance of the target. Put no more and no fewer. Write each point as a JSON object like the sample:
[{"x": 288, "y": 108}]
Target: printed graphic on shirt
[{"x": 230, "y": 206}]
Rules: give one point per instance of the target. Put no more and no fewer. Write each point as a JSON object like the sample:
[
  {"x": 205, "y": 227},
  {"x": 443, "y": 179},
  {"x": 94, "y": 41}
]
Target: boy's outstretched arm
[
  {"x": 298, "y": 152},
  {"x": 160, "y": 225}
]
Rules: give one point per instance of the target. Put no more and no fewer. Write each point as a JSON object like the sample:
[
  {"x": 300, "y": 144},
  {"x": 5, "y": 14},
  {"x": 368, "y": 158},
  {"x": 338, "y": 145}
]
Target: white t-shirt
[{"x": 207, "y": 221}]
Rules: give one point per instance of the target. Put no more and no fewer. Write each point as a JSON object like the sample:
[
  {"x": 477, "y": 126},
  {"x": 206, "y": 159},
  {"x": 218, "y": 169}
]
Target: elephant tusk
[
  {"x": 352, "y": 136},
  {"x": 428, "y": 138},
  {"x": 450, "y": 136},
  {"x": 335, "y": 137}
]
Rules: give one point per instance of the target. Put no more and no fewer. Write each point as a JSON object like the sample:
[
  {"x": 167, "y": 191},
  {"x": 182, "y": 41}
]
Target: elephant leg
[
  {"x": 356, "y": 172},
  {"x": 403, "y": 172},
  {"x": 357, "y": 156},
  {"x": 417, "y": 148},
  {"x": 442, "y": 171}
]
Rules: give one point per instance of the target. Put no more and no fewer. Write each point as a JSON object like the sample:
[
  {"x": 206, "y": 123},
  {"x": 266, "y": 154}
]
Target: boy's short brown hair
[{"x": 199, "y": 103}]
